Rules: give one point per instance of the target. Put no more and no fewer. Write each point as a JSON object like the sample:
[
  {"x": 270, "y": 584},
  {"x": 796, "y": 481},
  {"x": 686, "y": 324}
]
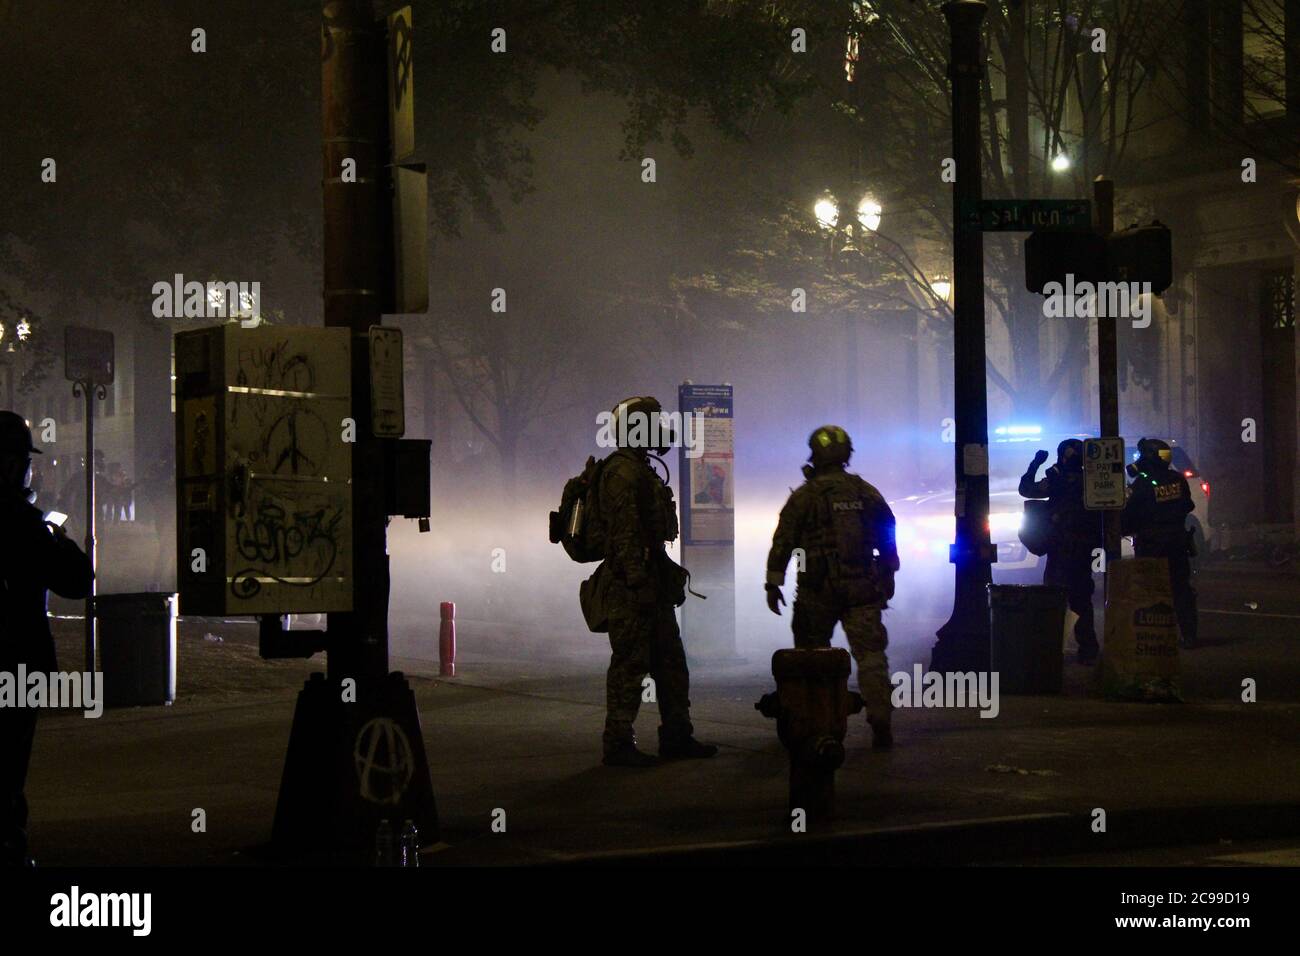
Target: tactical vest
[
  {"x": 665, "y": 511},
  {"x": 1164, "y": 522},
  {"x": 842, "y": 537},
  {"x": 655, "y": 503}
]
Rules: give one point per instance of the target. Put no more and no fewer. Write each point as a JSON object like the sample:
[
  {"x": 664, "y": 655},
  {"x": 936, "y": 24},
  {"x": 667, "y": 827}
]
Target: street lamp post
[
  {"x": 963, "y": 642},
  {"x": 91, "y": 391}
]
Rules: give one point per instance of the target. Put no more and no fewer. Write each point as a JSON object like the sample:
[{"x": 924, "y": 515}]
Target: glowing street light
[
  {"x": 869, "y": 213},
  {"x": 827, "y": 212},
  {"x": 941, "y": 286},
  {"x": 1060, "y": 163},
  {"x": 24, "y": 329}
]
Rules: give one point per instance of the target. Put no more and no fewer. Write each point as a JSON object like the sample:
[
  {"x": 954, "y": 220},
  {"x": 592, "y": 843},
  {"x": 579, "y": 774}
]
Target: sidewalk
[{"x": 524, "y": 736}]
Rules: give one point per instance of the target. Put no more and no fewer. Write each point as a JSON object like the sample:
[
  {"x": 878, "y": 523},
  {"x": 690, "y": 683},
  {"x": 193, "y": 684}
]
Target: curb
[{"x": 978, "y": 841}]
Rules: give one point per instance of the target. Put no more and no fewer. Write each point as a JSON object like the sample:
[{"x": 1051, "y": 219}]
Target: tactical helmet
[
  {"x": 1153, "y": 449},
  {"x": 15, "y": 436},
  {"x": 637, "y": 423},
  {"x": 829, "y": 445}
]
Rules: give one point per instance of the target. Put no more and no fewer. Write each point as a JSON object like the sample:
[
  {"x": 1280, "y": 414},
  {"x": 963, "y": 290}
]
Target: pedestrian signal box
[
  {"x": 1140, "y": 254},
  {"x": 263, "y": 470}
]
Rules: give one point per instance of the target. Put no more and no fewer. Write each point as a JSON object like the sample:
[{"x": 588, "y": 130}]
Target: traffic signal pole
[
  {"x": 356, "y": 759},
  {"x": 353, "y": 111},
  {"x": 1103, "y": 204},
  {"x": 963, "y": 642}
]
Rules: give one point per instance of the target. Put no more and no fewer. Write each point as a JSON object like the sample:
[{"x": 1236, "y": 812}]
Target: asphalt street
[{"x": 519, "y": 731}]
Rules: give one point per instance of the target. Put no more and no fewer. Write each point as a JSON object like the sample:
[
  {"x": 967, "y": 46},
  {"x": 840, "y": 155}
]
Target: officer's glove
[
  {"x": 887, "y": 584},
  {"x": 774, "y": 598},
  {"x": 1040, "y": 456}
]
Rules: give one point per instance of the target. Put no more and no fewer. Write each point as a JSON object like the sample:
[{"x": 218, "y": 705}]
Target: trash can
[
  {"x": 1027, "y": 625},
  {"x": 137, "y": 648}
]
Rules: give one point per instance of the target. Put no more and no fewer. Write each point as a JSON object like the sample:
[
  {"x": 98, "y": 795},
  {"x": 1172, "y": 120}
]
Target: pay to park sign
[{"x": 1103, "y": 474}]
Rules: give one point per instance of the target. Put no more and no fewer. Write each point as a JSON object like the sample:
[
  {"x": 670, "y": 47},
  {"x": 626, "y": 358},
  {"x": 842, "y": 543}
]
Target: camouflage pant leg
[
  {"x": 813, "y": 621},
  {"x": 671, "y": 676},
  {"x": 645, "y": 641},
  {"x": 867, "y": 641}
]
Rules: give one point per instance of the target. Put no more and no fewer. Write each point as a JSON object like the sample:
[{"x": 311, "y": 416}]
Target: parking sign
[
  {"x": 88, "y": 356},
  {"x": 1103, "y": 474}
]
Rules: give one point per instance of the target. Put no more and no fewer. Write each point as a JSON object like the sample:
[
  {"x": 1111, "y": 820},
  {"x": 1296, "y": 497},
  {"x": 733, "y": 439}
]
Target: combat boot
[
  {"x": 683, "y": 747},
  {"x": 627, "y": 755},
  {"x": 882, "y": 737}
]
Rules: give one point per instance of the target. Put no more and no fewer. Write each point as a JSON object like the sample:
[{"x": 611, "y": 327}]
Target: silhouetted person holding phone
[{"x": 36, "y": 556}]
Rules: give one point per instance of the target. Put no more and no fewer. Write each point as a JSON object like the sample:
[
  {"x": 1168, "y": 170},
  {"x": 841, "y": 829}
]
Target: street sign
[
  {"x": 401, "y": 84},
  {"x": 88, "y": 356},
  {"x": 1027, "y": 215},
  {"x": 408, "y": 282},
  {"x": 1103, "y": 474},
  {"x": 387, "y": 392}
]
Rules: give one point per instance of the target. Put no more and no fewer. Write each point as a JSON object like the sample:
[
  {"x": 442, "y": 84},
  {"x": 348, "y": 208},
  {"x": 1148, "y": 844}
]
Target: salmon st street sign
[{"x": 1027, "y": 215}]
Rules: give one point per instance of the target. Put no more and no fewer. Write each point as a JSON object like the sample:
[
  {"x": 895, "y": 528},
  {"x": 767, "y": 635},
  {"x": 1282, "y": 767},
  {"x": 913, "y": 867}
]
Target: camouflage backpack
[{"x": 577, "y": 525}]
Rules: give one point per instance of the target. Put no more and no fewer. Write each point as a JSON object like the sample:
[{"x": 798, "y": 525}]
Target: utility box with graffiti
[{"x": 263, "y": 470}]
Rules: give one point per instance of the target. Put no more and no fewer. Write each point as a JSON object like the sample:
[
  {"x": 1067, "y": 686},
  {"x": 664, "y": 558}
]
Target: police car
[{"x": 925, "y": 529}]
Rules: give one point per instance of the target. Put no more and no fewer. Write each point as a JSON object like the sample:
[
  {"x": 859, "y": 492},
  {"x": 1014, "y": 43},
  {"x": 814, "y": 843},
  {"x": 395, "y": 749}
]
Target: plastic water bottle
[
  {"x": 384, "y": 844},
  {"x": 410, "y": 845}
]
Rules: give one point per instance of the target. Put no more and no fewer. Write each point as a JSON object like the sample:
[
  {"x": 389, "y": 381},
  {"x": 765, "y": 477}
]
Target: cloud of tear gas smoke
[{"x": 516, "y": 594}]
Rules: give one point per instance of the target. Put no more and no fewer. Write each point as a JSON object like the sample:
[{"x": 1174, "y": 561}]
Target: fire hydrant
[{"x": 812, "y": 704}]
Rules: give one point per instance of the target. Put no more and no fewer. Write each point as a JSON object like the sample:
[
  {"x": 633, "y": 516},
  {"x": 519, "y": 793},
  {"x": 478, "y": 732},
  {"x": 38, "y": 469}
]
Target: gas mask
[{"x": 1069, "y": 455}]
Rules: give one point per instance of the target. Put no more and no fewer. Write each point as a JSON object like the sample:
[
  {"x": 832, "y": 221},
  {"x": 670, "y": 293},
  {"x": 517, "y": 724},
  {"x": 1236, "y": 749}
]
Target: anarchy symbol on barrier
[
  {"x": 384, "y": 761},
  {"x": 401, "y": 60}
]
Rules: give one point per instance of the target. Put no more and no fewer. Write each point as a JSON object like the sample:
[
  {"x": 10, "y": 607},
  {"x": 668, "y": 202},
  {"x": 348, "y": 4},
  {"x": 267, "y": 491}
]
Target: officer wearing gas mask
[
  {"x": 1155, "y": 514},
  {"x": 845, "y": 532},
  {"x": 639, "y": 516},
  {"x": 35, "y": 557},
  {"x": 1074, "y": 534}
]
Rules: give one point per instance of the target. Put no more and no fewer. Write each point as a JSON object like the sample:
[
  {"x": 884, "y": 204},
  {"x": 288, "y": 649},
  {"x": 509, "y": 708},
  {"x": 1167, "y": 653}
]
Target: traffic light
[{"x": 1136, "y": 254}]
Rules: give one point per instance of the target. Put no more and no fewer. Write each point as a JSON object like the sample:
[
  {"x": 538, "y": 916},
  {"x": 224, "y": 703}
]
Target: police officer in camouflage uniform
[
  {"x": 639, "y": 516},
  {"x": 838, "y": 520},
  {"x": 1075, "y": 532},
  {"x": 1155, "y": 514}
]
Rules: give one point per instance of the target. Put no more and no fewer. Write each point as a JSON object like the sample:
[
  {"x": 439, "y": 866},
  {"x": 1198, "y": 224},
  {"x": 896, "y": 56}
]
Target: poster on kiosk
[{"x": 706, "y": 466}]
